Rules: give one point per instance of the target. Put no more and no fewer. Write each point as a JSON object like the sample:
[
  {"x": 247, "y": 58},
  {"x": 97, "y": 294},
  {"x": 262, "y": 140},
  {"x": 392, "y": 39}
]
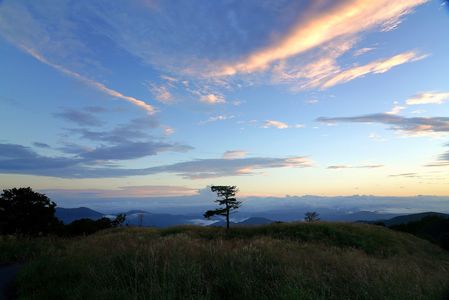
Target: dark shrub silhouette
[
  {"x": 226, "y": 198},
  {"x": 87, "y": 226},
  {"x": 311, "y": 216},
  {"x": 23, "y": 211}
]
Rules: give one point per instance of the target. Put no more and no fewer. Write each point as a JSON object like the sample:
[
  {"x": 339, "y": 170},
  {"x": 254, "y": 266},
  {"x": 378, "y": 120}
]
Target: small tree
[
  {"x": 311, "y": 216},
  {"x": 226, "y": 199}
]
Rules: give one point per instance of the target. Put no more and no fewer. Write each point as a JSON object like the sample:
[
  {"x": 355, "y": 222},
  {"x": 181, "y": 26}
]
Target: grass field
[{"x": 279, "y": 261}]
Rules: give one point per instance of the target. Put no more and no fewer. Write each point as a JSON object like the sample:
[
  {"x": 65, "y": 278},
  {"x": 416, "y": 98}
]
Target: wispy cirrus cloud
[
  {"x": 344, "y": 19},
  {"x": 375, "y": 67},
  {"x": 414, "y": 126},
  {"x": 222, "y": 167},
  {"x": 428, "y": 98},
  {"x": 406, "y": 175},
  {"x": 97, "y": 85},
  {"x": 362, "y": 51},
  {"x": 161, "y": 93},
  {"x": 445, "y": 156},
  {"x": 141, "y": 191},
  {"x": 280, "y": 125},
  {"x": 323, "y": 71},
  {"x": 79, "y": 117},
  {"x": 232, "y": 154},
  {"x": 442, "y": 161},
  {"x": 217, "y": 118},
  {"x": 336, "y": 167}
]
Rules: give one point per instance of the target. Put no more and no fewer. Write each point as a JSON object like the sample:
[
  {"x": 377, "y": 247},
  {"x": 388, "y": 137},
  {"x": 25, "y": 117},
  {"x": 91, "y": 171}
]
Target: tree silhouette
[
  {"x": 311, "y": 216},
  {"x": 23, "y": 211},
  {"x": 226, "y": 199},
  {"x": 119, "y": 220}
]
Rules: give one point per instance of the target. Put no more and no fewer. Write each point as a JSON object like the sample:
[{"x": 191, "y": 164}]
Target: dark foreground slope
[{"x": 278, "y": 261}]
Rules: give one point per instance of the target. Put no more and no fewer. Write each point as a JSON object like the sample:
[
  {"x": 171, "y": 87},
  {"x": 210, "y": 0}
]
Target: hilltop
[
  {"x": 412, "y": 218},
  {"x": 276, "y": 261}
]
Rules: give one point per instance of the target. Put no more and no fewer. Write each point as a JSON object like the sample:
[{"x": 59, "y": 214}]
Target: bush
[{"x": 87, "y": 226}]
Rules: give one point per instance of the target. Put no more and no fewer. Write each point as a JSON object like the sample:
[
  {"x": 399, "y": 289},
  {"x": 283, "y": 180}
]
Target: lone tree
[
  {"x": 311, "y": 216},
  {"x": 226, "y": 199},
  {"x": 24, "y": 211}
]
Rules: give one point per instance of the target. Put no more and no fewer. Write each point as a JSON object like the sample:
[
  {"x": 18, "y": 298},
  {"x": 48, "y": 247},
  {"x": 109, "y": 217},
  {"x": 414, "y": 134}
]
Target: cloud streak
[
  {"x": 335, "y": 167},
  {"x": 376, "y": 67},
  {"x": 82, "y": 118},
  {"x": 211, "y": 168},
  {"x": 408, "y": 125},
  {"x": 428, "y": 98},
  {"x": 144, "y": 191},
  {"x": 17, "y": 159},
  {"x": 217, "y": 118},
  {"x": 232, "y": 154},
  {"x": 443, "y": 160},
  {"x": 98, "y": 86},
  {"x": 280, "y": 125}
]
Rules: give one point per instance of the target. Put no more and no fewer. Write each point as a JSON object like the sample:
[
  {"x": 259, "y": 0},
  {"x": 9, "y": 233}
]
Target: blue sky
[{"x": 153, "y": 98}]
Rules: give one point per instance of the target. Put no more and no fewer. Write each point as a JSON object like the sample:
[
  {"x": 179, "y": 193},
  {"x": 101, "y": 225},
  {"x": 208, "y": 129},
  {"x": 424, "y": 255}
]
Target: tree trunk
[{"x": 227, "y": 218}]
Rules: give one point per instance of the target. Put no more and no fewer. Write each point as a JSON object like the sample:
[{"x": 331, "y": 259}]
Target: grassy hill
[
  {"x": 412, "y": 218},
  {"x": 277, "y": 261}
]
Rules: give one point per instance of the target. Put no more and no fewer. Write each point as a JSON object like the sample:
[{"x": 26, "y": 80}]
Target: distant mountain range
[
  {"x": 325, "y": 214},
  {"x": 148, "y": 219},
  {"x": 133, "y": 217},
  {"x": 407, "y": 218},
  {"x": 68, "y": 215}
]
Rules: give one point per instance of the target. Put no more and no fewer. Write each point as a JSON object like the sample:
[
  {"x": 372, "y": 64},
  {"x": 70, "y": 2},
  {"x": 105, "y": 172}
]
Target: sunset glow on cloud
[{"x": 344, "y": 19}]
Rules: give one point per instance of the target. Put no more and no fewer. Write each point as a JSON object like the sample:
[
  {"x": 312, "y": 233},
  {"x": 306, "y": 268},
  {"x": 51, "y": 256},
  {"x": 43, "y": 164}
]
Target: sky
[{"x": 152, "y": 98}]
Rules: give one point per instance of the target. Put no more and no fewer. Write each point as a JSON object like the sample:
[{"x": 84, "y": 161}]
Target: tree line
[{"x": 25, "y": 212}]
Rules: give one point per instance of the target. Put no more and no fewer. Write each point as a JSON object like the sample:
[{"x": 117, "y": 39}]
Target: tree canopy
[
  {"x": 23, "y": 211},
  {"x": 311, "y": 216}
]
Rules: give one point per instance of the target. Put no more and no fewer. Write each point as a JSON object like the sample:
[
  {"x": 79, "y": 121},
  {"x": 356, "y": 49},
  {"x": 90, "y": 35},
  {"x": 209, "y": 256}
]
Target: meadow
[{"x": 278, "y": 261}]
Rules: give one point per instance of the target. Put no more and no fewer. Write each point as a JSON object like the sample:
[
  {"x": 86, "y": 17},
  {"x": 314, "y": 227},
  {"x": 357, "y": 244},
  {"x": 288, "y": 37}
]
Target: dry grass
[{"x": 298, "y": 261}]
